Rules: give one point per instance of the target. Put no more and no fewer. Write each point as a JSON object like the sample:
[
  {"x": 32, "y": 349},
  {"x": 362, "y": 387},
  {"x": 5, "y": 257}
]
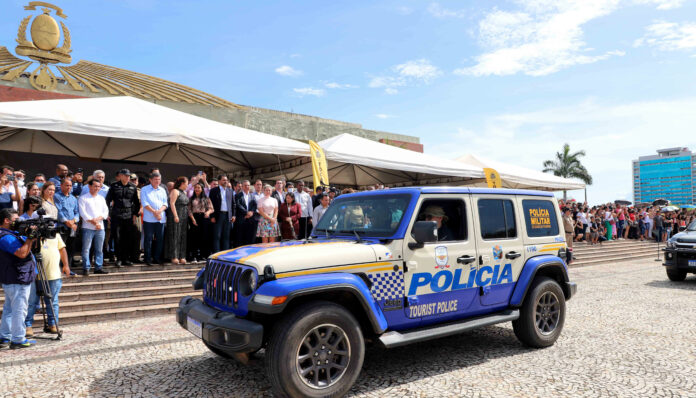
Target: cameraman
[
  {"x": 9, "y": 190},
  {"x": 17, "y": 267}
]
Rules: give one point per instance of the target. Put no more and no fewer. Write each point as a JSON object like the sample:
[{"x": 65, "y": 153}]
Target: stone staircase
[
  {"x": 613, "y": 251},
  {"x": 127, "y": 292},
  {"x": 140, "y": 291}
]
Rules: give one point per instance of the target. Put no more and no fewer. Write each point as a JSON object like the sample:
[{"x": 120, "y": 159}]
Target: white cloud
[
  {"x": 663, "y": 4},
  {"x": 295, "y": 55},
  {"x": 413, "y": 72},
  {"x": 287, "y": 70},
  {"x": 335, "y": 85},
  {"x": 420, "y": 69},
  {"x": 528, "y": 138},
  {"x": 436, "y": 10},
  {"x": 384, "y": 116},
  {"x": 669, "y": 36},
  {"x": 544, "y": 37},
  {"x": 317, "y": 92}
]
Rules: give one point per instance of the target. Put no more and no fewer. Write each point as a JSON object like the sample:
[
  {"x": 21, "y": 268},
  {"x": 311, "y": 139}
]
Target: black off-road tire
[
  {"x": 293, "y": 338},
  {"x": 542, "y": 314},
  {"x": 676, "y": 275}
]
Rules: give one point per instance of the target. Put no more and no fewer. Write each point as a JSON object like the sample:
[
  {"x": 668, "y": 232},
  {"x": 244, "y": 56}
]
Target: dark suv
[{"x": 680, "y": 254}]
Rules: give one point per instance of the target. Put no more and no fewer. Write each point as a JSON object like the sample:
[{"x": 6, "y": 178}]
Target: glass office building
[{"x": 671, "y": 175}]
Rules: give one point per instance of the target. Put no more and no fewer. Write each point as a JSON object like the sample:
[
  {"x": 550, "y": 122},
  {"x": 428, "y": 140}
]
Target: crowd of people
[
  {"x": 135, "y": 221},
  {"x": 612, "y": 221}
]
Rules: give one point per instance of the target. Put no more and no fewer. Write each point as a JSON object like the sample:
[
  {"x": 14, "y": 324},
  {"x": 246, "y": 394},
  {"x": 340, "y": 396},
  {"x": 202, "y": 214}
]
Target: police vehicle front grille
[{"x": 221, "y": 281}]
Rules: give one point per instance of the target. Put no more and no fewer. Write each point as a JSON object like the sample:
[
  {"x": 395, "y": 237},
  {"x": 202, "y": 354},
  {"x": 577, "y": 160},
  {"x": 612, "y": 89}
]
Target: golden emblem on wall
[
  {"x": 45, "y": 34},
  {"x": 43, "y": 47}
]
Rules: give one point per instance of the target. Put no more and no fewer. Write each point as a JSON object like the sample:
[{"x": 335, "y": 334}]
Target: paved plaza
[{"x": 629, "y": 332}]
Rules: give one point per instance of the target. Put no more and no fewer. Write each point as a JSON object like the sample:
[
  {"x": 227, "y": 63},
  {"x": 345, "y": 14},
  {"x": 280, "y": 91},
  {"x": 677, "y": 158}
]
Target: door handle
[
  {"x": 512, "y": 255},
  {"x": 466, "y": 259}
]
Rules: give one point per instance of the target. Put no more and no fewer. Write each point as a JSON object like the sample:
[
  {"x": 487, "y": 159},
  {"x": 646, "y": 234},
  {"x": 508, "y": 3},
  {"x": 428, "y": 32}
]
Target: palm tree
[{"x": 567, "y": 165}]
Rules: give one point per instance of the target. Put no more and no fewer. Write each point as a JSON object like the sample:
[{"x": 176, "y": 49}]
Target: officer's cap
[{"x": 435, "y": 211}]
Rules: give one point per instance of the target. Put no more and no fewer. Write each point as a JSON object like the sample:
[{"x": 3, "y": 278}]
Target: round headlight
[
  {"x": 671, "y": 244},
  {"x": 247, "y": 283}
]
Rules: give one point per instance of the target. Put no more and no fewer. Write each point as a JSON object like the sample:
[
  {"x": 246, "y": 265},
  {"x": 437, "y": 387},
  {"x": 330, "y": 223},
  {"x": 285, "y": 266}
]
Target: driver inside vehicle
[
  {"x": 354, "y": 218},
  {"x": 437, "y": 214}
]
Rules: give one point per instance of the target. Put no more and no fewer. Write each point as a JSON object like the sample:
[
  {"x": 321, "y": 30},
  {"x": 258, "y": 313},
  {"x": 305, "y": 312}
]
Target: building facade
[{"x": 671, "y": 175}]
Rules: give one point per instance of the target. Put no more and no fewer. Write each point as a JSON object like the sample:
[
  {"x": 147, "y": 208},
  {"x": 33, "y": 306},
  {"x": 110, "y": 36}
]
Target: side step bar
[{"x": 396, "y": 339}]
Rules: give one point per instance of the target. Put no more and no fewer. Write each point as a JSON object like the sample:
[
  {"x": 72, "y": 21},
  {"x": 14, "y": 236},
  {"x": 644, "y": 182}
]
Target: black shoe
[
  {"x": 119, "y": 264},
  {"x": 85, "y": 272},
  {"x": 128, "y": 263},
  {"x": 148, "y": 264},
  {"x": 100, "y": 271}
]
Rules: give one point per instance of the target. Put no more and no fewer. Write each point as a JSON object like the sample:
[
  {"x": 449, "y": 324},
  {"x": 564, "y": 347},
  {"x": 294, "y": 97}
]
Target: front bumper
[
  {"x": 221, "y": 330},
  {"x": 682, "y": 259}
]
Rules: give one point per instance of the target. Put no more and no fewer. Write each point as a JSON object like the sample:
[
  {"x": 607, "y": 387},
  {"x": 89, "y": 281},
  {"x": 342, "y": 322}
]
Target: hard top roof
[{"x": 457, "y": 190}]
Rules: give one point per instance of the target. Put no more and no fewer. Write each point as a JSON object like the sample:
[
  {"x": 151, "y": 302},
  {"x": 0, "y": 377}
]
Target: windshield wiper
[{"x": 355, "y": 232}]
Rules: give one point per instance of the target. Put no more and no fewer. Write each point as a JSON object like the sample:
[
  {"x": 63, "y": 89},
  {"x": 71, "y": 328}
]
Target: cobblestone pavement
[{"x": 629, "y": 332}]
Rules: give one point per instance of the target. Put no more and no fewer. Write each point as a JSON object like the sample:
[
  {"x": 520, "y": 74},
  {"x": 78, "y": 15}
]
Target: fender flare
[
  {"x": 298, "y": 286},
  {"x": 529, "y": 272}
]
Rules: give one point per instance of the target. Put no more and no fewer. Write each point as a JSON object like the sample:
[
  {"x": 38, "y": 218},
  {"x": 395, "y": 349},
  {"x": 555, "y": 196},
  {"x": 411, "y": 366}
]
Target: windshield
[
  {"x": 692, "y": 226},
  {"x": 375, "y": 215}
]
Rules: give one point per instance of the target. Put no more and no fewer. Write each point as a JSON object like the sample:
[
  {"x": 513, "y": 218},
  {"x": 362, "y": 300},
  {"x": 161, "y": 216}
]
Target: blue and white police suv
[{"x": 396, "y": 266}]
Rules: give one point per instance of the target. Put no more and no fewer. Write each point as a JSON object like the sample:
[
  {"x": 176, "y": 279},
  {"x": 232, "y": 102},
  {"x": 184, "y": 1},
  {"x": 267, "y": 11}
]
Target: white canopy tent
[
  {"x": 519, "y": 177},
  {"x": 357, "y": 161},
  {"x": 130, "y": 129}
]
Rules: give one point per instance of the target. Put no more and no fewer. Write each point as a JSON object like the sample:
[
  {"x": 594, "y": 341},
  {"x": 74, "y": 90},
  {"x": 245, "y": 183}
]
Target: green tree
[{"x": 568, "y": 165}]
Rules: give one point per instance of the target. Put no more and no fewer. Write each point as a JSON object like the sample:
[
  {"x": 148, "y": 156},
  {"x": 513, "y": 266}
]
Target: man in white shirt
[
  {"x": 321, "y": 209},
  {"x": 93, "y": 212},
  {"x": 305, "y": 201}
]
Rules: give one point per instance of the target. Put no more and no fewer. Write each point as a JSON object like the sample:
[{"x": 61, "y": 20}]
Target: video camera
[{"x": 37, "y": 228}]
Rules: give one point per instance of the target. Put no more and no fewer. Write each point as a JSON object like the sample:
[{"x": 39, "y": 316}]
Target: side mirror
[{"x": 423, "y": 232}]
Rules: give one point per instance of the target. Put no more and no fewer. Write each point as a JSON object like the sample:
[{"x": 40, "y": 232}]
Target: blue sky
[{"x": 506, "y": 80}]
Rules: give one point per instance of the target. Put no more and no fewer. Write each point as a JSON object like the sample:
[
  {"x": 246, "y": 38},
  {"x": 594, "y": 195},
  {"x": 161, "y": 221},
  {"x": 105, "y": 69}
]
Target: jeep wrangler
[{"x": 393, "y": 266}]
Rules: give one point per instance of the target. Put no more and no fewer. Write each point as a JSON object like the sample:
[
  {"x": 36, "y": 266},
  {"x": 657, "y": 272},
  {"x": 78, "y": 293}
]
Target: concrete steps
[
  {"x": 613, "y": 251},
  {"x": 126, "y": 292}
]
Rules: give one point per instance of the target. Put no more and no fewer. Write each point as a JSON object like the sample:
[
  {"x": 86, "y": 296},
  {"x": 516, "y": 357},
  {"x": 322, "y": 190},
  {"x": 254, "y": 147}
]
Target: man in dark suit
[
  {"x": 278, "y": 194},
  {"x": 246, "y": 216},
  {"x": 223, "y": 215}
]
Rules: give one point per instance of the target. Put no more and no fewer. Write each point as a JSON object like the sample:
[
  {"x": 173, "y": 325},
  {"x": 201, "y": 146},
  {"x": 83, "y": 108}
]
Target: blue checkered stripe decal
[{"x": 387, "y": 285}]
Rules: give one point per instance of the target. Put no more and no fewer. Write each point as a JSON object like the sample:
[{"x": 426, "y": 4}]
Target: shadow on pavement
[
  {"x": 209, "y": 375},
  {"x": 688, "y": 284}
]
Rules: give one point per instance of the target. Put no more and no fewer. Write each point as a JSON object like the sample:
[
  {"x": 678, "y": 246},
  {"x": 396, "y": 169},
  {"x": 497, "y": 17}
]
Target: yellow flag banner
[
  {"x": 492, "y": 178},
  {"x": 319, "y": 167}
]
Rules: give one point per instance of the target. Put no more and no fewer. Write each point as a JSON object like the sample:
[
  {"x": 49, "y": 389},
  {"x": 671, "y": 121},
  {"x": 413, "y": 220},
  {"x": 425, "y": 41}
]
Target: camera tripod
[{"x": 44, "y": 290}]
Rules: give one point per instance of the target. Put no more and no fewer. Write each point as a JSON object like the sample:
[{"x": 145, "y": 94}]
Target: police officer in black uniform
[{"x": 123, "y": 201}]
